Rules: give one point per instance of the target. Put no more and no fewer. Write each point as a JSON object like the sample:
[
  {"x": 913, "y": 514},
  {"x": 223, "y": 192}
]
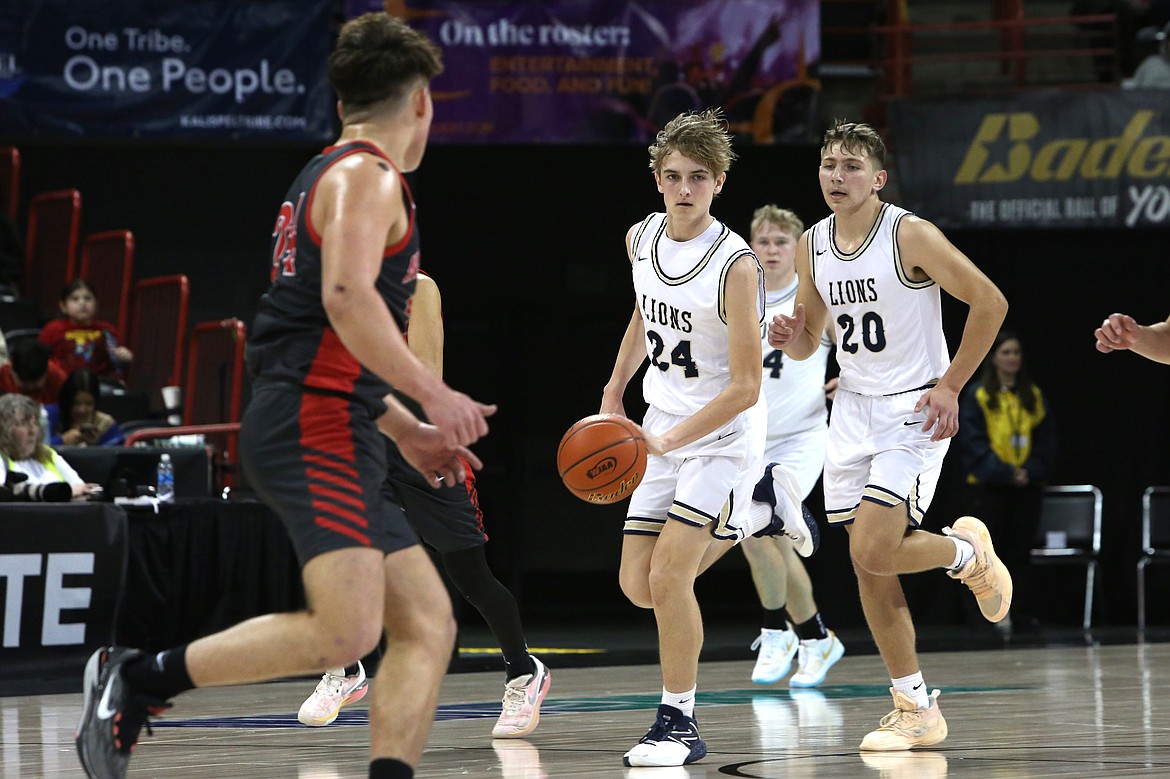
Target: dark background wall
[{"x": 526, "y": 245}]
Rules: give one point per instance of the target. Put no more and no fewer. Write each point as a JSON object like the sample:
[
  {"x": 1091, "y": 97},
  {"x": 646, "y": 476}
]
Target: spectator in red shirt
[
  {"x": 31, "y": 371},
  {"x": 81, "y": 341}
]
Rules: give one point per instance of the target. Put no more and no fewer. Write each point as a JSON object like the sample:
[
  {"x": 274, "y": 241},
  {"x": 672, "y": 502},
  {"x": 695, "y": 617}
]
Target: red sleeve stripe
[
  {"x": 337, "y": 527},
  {"x": 337, "y": 511},
  {"x": 334, "y": 468},
  {"x": 322, "y": 491}
]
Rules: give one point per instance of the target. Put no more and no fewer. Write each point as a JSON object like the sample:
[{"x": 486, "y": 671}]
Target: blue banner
[{"x": 155, "y": 68}]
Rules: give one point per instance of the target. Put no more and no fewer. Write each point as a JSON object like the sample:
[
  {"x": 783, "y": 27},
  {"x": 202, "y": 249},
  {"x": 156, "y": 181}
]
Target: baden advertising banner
[
  {"x": 522, "y": 71},
  {"x": 1046, "y": 159},
  {"x": 156, "y": 68}
]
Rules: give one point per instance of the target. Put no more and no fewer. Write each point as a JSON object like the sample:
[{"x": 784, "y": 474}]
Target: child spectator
[
  {"x": 79, "y": 423},
  {"x": 80, "y": 340},
  {"x": 30, "y": 371}
]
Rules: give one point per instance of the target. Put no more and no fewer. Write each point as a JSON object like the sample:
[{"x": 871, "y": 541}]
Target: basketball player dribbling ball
[
  {"x": 875, "y": 271},
  {"x": 699, "y": 307},
  {"x": 450, "y": 522},
  {"x": 795, "y": 452},
  {"x": 325, "y": 348}
]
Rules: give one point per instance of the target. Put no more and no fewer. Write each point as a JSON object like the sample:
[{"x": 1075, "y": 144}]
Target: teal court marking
[{"x": 580, "y": 705}]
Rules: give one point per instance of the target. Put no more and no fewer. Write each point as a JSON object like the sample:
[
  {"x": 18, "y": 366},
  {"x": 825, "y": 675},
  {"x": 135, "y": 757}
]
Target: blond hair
[
  {"x": 772, "y": 214},
  {"x": 856, "y": 138},
  {"x": 17, "y": 409},
  {"x": 701, "y": 136}
]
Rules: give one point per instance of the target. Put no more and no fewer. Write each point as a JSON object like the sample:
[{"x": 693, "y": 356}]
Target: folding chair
[
  {"x": 50, "y": 257},
  {"x": 1155, "y": 540},
  {"x": 158, "y": 327},
  {"x": 107, "y": 263},
  {"x": 10, "y": 181},
  {"x": 1069, "y": 533},
  {"x": 213, "y": 393}
]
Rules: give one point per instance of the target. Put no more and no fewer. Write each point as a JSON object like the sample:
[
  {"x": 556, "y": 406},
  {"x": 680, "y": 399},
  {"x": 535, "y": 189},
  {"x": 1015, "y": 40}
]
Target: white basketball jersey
[
  {"x": 888, "y": 326},
  {"x": 794, "y": 388},
  {"x": 681, "y": 287}
]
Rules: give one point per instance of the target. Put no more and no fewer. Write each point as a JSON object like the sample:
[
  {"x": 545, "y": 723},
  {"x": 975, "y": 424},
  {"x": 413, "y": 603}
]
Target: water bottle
[
  {"x": 165, "y": 488},
  {"x": 44, "y": 419}
]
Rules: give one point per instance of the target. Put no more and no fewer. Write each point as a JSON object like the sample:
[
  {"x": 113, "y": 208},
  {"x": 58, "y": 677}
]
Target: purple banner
[{"x": 572, "y": 71}]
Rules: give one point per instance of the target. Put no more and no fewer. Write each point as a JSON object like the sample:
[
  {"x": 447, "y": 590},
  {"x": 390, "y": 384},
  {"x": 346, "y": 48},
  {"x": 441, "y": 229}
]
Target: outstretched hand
[
  {"x": 782, "y": 330},
  {"x": 1118, "y": 331},
  {"x": 461, "y": 420}
]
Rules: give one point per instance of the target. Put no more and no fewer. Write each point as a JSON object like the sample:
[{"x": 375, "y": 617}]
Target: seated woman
[
  {"x": 79, "y": 423},
  {"x": 31, "y": 469}
]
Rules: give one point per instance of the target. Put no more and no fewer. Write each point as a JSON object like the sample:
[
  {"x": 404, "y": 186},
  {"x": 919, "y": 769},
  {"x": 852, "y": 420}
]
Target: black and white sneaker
[
  {"x": 780, "y": 491},
  {"x": 112, "y": 715},
  {"x": 674, "y": 740}
]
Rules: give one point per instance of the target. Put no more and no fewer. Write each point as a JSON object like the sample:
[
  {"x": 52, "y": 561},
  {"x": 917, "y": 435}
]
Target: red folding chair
[
  {"x": 213, "y": 393},
  {"x": 107, "y": 263},
  {"x": 10, "y": 180},
  {"x": 158, "y": 327},
  {"x": 50, "y": 257}
]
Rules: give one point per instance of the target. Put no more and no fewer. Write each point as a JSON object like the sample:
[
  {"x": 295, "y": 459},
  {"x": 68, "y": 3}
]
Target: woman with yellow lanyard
[{"x": 1007, "y": 445}]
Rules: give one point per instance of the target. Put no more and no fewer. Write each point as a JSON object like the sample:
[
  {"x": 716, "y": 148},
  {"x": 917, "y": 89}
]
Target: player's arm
[
  {"x": 358, "y": 204},
  {"x": 745, "y": 360},
  {"x": 1121, "y": 331},
  {"x": 799, "y": 335},
  {"x": 927, "y": 251},
  {"x": 631, "y": 353},
  {"x": 424, "y": 334}
]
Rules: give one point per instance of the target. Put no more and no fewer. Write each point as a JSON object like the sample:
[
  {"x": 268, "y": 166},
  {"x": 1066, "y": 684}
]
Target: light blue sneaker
[{"x": 777, "y": 648}]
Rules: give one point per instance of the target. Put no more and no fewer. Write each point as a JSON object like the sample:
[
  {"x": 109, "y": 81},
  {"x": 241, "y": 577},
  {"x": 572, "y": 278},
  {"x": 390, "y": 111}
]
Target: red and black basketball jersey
[{"x": 291, "y": 339}]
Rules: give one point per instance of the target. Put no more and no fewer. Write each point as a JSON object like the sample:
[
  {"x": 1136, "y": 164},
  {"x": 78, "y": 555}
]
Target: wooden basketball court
[{"x": 1073, "y": 711}]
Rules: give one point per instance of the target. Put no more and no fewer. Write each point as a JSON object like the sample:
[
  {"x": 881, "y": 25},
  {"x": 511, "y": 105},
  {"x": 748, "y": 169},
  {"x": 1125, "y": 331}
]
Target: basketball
[{"x": 602, "y": 458}]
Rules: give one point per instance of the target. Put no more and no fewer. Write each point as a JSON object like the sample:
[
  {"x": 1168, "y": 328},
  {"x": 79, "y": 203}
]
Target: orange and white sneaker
[
  {"x": 984, "y": 573},
  {"x": 333, "y": 692},
  {"x": 907, "y": 726},
  {"x": 522, "y": 697}
]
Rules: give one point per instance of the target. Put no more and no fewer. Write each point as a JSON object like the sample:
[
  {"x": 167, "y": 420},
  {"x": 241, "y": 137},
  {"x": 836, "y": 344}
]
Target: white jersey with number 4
[
  {"x": 888, "y": 326},
  {"x": 681, "y": 289},
  {"x": 794, "y": 388}
]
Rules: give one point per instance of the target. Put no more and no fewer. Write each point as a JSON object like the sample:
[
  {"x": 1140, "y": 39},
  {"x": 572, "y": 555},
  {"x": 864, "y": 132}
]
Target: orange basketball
[{"x": 602, "y": 458}]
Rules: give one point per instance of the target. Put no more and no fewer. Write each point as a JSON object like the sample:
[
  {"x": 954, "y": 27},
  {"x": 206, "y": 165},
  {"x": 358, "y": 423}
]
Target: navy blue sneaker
[
  {"x": 674, "y": 740},
  {"x": 780, "y": 491},
  {"x": 112, "y": 715}
]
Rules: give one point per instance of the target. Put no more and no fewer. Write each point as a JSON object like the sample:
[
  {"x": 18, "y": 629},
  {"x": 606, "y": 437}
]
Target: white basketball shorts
[
  {"x": 707, "y": 483},
  {"x": 878, "y": 452}
]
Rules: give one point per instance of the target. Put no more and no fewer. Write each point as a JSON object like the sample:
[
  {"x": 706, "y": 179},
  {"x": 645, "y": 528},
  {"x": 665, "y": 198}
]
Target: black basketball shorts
[
  {"x": 319, "y": 462},
  {"x": 447, "y": 519}
]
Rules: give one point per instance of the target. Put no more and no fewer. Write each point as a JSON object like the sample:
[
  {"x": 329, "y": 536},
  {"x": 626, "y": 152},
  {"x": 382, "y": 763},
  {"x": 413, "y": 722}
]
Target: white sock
[
  {"x": 683, "y": 701},
  {"x": 915, "y": 687},
  {"x": 759, "y": 516},
  {"x": 964, "y": 551}
]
